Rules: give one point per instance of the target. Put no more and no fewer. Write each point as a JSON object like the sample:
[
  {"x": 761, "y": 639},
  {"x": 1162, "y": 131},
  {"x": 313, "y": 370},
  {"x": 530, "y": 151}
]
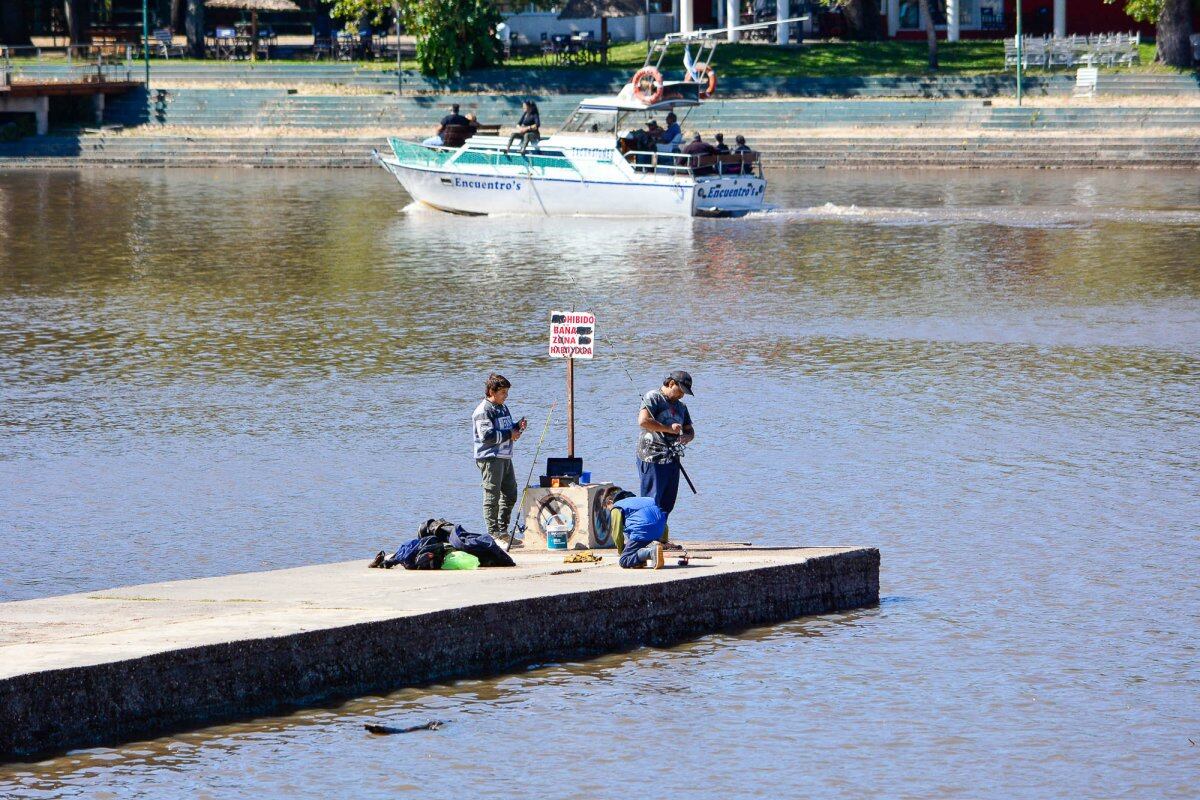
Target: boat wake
[{"x": 1006, "y": 216}]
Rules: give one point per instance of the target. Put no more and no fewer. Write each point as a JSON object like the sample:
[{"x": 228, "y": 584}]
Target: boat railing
[
  {"x": 660, "y": 163},
  {"x": 748, "y": 163}
]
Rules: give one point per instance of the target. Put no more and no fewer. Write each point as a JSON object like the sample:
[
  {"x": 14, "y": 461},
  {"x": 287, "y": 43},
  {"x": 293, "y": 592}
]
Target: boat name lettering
[
  {"x": 736, "y": 191},
  {"x": 504, "y": 186}
]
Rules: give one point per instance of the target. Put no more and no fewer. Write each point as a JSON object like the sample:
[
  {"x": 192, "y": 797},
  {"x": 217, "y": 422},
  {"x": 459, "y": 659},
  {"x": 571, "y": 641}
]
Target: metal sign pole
[
  {"x": 399, "y": 68},
  {"x": 1020, "y": 52},
  {"x": 570, "y": 407},
  {"x": 146, "y": 40}
]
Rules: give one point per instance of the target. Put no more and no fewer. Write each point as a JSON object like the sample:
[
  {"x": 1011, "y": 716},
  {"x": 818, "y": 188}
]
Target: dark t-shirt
[
  {"x": 530, "y": 118},
  {"x": 695, "y": 148},
  {"x": 652, "y": 446},
  {"x": 455, "y": 119}
]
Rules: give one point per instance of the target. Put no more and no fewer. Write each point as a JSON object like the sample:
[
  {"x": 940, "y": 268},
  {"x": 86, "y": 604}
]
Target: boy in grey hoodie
[{"x": 495, "y": 433}]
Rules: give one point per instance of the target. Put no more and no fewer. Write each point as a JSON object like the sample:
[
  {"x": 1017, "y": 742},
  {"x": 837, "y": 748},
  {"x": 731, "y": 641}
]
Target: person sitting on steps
[{"x": 527, "y": 128}]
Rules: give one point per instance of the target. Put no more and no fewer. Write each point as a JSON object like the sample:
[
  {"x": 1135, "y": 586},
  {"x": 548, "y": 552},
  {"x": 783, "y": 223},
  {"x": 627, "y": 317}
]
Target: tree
[
  {"x": 862, "y": 19},
  {"x": 194, "y": 28},
  {"x": 1173, "y": 21},
  {"x": 79, "y": 20},
  {"x": 930, "y": 32},
  {"x": 452, "y": 35},
  {"x": 14, "y": 25}
]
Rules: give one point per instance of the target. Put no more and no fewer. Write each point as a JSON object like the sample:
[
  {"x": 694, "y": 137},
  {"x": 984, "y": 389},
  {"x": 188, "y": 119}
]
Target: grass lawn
[
  {"x": 823, "y": 59},
  {"x": 831, "y": 59}
]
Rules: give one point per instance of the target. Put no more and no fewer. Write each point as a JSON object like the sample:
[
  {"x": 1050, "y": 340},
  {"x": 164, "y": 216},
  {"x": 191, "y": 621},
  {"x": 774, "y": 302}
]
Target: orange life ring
[
  {"x": 706, "y": 73},
  {"x": 648, "y": 85}
]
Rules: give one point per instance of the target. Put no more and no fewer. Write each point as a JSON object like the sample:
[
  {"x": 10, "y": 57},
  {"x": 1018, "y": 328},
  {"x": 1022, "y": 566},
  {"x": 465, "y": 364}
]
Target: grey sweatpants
[{"x": 499, "y": 493}]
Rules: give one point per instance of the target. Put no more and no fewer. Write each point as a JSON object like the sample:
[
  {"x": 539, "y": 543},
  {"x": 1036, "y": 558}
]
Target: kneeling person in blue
[{"x": 640, "y": 527}]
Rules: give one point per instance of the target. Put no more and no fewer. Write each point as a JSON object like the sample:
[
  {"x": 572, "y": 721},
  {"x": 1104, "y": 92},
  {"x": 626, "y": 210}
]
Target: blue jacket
[{"x": 644, "y": 520}]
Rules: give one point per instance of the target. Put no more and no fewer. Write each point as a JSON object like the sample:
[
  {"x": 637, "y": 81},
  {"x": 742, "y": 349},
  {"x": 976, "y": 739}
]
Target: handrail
[
  {"x": 672, "y": 163},
  {"x": 683, "y": 163}
]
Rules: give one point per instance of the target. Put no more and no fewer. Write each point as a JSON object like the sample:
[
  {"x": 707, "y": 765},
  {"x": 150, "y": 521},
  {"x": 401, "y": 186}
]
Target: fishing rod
[
  {"x": 532, "y": 464},
  {"x": 675, "y": 451}
]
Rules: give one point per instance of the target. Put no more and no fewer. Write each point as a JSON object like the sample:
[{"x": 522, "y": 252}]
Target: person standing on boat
[
  {"x": 665, "y": 423},
  {"x": 495, "y": 433},
  {"x": 528, "y": 128}
]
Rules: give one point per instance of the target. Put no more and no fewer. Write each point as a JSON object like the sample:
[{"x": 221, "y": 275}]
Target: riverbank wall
[
  {"x": 123, "y": 664},
  {"x": 942, "y": 151},
  {"x": 263, "y": 123}
]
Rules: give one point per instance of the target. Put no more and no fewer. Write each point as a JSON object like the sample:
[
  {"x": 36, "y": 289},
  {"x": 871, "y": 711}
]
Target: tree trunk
[
  {"x": 79, "y": 20},
  {"x": 930, "y": 33},
  {"x": 14, "y": 25},
  {"x": 862, "y": 20},
  {"x": 178, "y": 15},
  {"x": 1174, "y": 33},
  {"x": 194, "y": 27},
  {"x": 603, "y": 39}
]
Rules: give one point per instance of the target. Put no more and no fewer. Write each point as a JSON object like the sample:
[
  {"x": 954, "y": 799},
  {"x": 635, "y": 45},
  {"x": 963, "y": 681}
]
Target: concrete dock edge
[{"x": 54, "y": 710}]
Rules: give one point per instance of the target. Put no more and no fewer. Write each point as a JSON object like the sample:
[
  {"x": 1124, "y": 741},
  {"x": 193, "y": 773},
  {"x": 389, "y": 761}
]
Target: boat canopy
[{"x": 674, "y": 94}]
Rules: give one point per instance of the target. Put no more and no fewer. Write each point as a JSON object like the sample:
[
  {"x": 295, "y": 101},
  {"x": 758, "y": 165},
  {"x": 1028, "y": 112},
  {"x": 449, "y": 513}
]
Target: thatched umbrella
[
  {"x": 254, "y": 6},
  {"x": 590, "y": 9}
]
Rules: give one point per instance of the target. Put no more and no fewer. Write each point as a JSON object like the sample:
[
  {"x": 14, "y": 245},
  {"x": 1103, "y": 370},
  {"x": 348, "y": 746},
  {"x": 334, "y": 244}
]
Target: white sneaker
[{"x": 656, "y": 558}]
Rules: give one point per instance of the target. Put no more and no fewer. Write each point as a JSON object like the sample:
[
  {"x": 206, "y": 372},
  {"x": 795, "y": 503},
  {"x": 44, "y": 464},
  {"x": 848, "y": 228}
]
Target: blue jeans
[
  {"x": 637, "y": 551},
  {"x": 660, "y": 481}
]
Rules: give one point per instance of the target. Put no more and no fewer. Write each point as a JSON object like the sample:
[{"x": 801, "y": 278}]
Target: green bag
[{"x": 457, "y": 559}]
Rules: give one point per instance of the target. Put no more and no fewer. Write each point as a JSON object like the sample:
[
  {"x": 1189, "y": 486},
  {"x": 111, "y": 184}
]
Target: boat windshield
[{"x": 591, "y": 120}]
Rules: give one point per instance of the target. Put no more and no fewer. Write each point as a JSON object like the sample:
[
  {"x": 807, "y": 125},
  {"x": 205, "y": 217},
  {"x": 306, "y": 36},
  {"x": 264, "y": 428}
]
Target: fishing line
[{"x": 529, "y": 478}]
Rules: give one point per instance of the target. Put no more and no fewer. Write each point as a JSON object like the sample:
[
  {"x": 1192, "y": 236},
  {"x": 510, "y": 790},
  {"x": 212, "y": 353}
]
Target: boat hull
[{"x": 467, "y": 193}]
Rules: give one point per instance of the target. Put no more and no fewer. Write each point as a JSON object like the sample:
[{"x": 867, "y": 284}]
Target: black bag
[
  {"x": 428, "y": 554},
  {"x": 440, "y": 528}
]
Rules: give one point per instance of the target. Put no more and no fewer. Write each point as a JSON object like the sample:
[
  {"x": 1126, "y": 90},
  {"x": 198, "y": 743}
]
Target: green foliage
[
  {"x": 1141, "y": 10},
  {"x": 452, "y": 35}
]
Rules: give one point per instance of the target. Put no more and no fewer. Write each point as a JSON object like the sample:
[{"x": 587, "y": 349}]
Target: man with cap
[{"x": 665, "y": 422}]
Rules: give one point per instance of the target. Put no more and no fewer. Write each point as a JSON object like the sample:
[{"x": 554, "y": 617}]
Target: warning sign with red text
[{"x": 572, "y": 334}]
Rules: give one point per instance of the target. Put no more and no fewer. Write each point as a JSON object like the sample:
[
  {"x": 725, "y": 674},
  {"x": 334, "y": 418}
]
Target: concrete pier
[{"x": 120, "y": 664}]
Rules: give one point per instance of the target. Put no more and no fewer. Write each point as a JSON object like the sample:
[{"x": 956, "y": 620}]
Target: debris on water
[{"x": 386, "y": 730}]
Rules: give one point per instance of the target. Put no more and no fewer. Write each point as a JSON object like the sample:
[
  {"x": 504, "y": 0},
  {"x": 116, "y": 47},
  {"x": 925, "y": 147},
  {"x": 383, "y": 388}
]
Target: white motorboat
[{"x": 593, "y": 165}]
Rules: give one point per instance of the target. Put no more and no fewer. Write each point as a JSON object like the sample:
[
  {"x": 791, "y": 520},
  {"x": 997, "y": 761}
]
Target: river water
[{"x": 990, "y": 376}]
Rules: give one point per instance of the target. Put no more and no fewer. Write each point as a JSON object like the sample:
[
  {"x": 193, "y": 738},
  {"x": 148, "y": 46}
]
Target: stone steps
[{"x": 797, "y": 153}]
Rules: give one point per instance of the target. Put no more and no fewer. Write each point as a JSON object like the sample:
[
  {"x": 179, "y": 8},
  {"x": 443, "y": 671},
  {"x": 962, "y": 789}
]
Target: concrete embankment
[
  {"x": 859, "y": 151},
  {"x": 116, "y": 665}
]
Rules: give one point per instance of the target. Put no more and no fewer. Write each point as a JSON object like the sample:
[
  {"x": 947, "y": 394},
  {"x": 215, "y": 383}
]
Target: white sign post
[{"x": 572, "y": 336}]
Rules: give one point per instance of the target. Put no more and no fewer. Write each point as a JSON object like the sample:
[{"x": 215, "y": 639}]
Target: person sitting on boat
[
  {"x": 527, "y": 128},
  {"x": 739, "y": 148},
  {"x": 696, "y": 148},
  {"x": 643, "y": 527},
  {"x": 672, "y": 134},
  {"x": 722, "y": 148},
  {"x": 472, "y": 121},
  {"x": 454, "y": 118}
]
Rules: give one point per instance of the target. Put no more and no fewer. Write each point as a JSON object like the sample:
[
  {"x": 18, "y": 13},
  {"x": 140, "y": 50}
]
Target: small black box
[{"x": 560, "y": 467}]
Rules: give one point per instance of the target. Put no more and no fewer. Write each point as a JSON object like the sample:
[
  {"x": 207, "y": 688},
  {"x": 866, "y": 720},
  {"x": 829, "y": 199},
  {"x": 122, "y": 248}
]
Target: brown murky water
[{"x": 992, "y": 377}]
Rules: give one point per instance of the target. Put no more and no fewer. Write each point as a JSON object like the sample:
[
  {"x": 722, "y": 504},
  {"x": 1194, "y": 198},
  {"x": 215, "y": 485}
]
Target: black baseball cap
[{"x": 683, "y": 379}]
